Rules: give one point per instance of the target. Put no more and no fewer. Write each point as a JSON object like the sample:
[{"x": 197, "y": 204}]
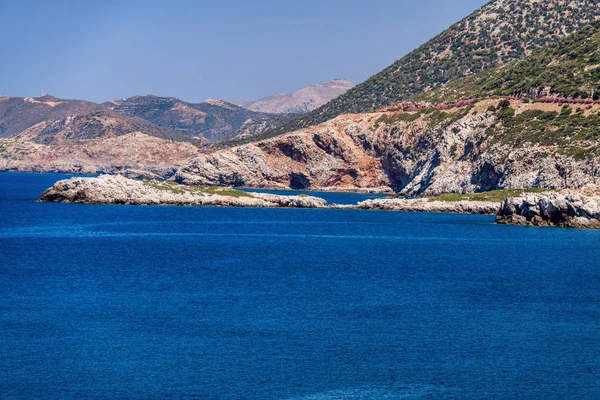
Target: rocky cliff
[
  {"x": 567, "y": 209},
  {"x": 420, "y": 149}
]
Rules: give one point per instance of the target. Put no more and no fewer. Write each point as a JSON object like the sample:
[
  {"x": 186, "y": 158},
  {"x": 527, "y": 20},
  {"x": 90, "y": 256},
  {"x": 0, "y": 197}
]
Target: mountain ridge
[
  {"x": 301, "y": 101},
  {"x": 566, "y": 71},
  {"x": 49, "y": 119},
  {"x": 213, "y": 120}
]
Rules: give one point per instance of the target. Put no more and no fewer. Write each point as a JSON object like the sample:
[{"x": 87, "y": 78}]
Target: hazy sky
[{"x": 195, "y": 50}]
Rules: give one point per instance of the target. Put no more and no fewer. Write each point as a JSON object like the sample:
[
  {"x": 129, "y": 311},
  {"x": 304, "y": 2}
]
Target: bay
[{"x": 220, "y": 303}]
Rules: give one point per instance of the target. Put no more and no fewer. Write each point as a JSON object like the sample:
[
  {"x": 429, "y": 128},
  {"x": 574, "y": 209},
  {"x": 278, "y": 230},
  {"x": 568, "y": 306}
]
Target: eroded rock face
[
  {"x": 115, "y": 189},
  {"x": 397, "y": 151},
  {"x": 567, "y": 209},
  {"x": 309, "y": 159}
]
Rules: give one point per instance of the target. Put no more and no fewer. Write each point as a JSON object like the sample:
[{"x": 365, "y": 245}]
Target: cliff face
[
  {"x": 418, "y": 151},
  {"x": 323, "y": 157},
  {"x": 574, "y": 209}
]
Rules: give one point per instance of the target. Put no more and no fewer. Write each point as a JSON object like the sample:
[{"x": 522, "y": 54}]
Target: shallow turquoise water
[{"x": 215, "y": 303}]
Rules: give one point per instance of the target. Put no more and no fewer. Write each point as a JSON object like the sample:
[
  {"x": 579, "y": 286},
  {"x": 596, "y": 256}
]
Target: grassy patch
[
  {"x": 396, "y": 118},
  {"x": 493, "y": 196},
  {"x": 176, "y": 188},
  {"x": 576, "y": 135}
]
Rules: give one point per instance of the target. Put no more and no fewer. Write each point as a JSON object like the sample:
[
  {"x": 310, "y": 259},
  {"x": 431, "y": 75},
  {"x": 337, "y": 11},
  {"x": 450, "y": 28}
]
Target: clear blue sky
[{"x": 195, "y": 50}]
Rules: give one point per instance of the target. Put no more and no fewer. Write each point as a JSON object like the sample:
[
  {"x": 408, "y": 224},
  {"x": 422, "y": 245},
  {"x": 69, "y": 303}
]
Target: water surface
[{"x": 215, "y": 303}]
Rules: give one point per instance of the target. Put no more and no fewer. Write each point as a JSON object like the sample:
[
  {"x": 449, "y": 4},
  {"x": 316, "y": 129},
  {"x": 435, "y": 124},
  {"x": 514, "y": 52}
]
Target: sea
[{"x": 156, "y": 302}]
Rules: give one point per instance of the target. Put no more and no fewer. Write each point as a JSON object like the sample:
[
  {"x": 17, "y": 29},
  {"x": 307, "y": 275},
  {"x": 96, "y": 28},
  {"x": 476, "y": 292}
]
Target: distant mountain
[
  {"x": 499, "y": 32},
  {"x": 301, "y": 101},
  {"x": 133, "y": 154},
  {"x": 213, "y": 120},
  {"x": 48, "y": 119}
]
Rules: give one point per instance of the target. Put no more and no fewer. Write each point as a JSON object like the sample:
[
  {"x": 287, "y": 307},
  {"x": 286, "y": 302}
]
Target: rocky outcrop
[
  {"x": 115, "y": 189},
  {"x": 567, "y": 209},
  {"x": 319, "y": 158},
  {"x": 413, "y": 151},
  {"x": 418, "y": 153},
  {"x": 426, "y": 205}
]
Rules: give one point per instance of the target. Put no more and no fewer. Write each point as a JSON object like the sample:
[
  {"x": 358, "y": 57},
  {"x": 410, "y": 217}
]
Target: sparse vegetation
[
  {"x": 395, "y": 118},
  {"x": 174, "y": 187},
  {"x": 569, "y": 69},
  {"x": 453, "y": 149},
  {"x": 492, "y": 196},
  {"x": 576, "y": 135}
]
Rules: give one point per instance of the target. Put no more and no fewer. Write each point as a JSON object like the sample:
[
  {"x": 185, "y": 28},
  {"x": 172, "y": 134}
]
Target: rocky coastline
[
  {"x": 564, "y": 209},
  {"x": 576, "y": 209},
  {"x": 116, "y": 189},
  {"x": 433, "y": 206}
]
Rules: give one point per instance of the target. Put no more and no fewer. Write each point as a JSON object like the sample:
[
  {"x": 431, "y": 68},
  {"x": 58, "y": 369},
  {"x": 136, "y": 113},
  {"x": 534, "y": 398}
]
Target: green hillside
[{"x": 569, "y": 69}]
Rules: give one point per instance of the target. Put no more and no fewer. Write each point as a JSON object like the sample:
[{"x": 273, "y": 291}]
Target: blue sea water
[{"x": 125, "y": 302}]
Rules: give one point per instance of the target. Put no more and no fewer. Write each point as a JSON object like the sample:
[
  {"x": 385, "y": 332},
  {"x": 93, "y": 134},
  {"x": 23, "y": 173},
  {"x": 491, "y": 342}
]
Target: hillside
[
  {"x": 498, "y": 33},
  {"x": 418, "y": 150},
  {"x": 213, "y": 120},
  {"x": 49, "y": 119},
  {"x": 569, "y": 69},
  {"x": 134, "y": 154},
  {"x": 532, "y": 123},
  {"x": 300, "y": 102}
]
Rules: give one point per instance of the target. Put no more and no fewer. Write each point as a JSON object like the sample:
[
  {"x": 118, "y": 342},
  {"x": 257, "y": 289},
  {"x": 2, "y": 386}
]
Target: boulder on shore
[{"x": 565, "y": 209}]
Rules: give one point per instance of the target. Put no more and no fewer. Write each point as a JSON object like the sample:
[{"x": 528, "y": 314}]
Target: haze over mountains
[
  {"x": 146, "y": 136},
  {"x": 49, "y": 120},
  {"x": 301, "y": 101}
]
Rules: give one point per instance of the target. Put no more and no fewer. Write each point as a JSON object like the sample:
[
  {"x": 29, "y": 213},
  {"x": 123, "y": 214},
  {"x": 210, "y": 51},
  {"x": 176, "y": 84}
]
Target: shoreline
[
  {"x": 575, "y": 209},
  {"x": 115, "y": 189}
]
